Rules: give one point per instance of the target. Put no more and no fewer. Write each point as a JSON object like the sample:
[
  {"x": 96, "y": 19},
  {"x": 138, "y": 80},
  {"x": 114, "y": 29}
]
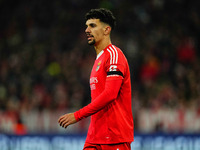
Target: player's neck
[{"x": 101, "y": 46}]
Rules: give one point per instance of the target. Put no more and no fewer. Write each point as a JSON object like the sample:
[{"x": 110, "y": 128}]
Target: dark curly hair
[{"x": 103, "y": 14}]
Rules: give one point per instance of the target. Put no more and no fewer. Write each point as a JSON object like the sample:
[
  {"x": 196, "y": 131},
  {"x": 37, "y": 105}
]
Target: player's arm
[{"x": 110, "y": 93}]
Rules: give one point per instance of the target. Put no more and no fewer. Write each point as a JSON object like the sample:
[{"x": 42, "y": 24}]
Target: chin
[{"x": 91, "y": 42}]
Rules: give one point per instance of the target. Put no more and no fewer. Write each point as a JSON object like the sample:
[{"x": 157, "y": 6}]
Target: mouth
[{"x": 89, "y": 37}]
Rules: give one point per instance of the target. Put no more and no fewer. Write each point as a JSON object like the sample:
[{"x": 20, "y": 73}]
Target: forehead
[{"x": 93, "y": 21}]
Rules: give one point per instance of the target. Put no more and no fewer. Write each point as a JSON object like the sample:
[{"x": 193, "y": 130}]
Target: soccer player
[{"x": 111, "y": 126}]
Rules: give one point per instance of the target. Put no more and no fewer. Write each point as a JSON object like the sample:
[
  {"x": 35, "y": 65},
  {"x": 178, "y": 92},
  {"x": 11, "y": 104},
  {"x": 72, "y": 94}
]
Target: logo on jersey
[
  {"x": 98, "y": 66},
  {"x": 113, "y": 68}
]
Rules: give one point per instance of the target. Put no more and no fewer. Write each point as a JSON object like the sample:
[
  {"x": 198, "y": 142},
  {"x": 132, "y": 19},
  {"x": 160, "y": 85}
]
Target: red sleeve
[{"x": 107, "y": 96}]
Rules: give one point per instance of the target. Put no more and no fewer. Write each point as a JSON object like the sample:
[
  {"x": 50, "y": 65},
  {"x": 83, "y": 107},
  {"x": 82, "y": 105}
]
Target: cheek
[{"x": 98, "y": 34}]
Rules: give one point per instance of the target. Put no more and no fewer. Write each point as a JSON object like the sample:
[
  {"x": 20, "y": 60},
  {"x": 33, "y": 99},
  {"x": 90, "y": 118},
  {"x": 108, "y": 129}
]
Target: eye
[{"x": 93, "y": 25}]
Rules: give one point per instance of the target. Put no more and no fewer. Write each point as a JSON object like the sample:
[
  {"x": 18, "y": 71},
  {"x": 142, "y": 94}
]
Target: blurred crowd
[{"x": 45, "y": 61}]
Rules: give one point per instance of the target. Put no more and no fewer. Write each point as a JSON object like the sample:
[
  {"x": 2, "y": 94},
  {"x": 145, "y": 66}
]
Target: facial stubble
[{"x": 91, "y": 42}]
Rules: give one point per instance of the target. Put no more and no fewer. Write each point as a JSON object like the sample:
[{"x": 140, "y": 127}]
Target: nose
[{"x": 87, "y": 30}]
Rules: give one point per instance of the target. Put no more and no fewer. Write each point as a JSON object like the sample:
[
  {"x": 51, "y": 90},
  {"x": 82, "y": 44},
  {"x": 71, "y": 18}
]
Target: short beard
[{"x": 92, "y": 43}]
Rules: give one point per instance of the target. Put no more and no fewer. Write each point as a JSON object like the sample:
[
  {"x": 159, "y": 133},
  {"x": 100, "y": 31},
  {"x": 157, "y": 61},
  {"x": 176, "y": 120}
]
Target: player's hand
[{"x": 66, "y": 120}]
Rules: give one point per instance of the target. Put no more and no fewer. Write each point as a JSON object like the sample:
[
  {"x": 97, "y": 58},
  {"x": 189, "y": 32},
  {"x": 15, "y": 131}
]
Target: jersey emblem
[{"x": 98, "y": 66}]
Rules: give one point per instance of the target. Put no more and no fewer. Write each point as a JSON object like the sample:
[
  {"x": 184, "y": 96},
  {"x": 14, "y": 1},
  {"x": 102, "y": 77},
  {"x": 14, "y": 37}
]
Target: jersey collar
[{"x": 100, "y": 54}]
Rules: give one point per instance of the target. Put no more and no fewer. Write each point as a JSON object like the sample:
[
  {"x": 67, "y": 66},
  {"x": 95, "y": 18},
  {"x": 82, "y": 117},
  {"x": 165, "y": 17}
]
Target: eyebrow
[{"x": 91, "y": 24}]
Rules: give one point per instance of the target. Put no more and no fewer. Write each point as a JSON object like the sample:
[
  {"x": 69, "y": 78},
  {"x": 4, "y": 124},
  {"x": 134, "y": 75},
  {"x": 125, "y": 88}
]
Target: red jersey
[{"x": 111, "y": 120}]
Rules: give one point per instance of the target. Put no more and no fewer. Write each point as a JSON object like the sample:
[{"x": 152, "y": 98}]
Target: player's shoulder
[
  {"x": 114, "y": 53},
  {"x": 112, "y": 48}
]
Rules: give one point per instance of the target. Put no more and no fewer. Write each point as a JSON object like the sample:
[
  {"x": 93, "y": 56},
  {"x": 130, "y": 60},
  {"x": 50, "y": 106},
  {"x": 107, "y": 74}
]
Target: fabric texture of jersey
[{"x": 111, "y": 120}]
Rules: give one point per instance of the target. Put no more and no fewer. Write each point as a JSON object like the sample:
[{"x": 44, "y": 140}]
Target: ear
[{"x": 107, "y": 30}]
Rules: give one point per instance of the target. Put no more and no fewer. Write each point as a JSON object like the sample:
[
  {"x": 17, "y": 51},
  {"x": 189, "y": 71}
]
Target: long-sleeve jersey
[{"x": 111, "y": 107}]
